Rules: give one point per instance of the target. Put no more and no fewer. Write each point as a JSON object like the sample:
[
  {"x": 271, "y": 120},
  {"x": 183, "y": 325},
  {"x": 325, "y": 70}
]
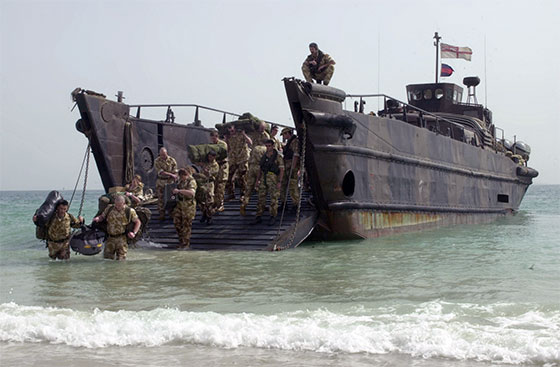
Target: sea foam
[{"x": 430, "y": 330}]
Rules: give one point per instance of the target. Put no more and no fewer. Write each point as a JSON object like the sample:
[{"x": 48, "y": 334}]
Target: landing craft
[
  {"x": 125, "y": 143},
  {"x": 428, "y": 162}
]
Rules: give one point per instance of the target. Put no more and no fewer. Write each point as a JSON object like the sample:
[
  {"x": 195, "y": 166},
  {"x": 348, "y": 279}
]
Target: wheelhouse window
[
  {"x": 417, "y": 95},
  {"x": 439, "y": 93},
  {"x": 428, "y": 94}
]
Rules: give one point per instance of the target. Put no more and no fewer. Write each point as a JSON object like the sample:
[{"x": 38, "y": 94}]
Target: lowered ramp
[{"x": 231, "y": 231}]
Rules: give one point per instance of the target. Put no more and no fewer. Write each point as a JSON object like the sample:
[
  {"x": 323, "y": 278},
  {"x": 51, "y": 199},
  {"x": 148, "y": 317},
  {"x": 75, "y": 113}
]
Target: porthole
[
  {"x": 147, "y": 159},
  {"x": 439, "y": 93},
  {"x": 348, "y": 184}
]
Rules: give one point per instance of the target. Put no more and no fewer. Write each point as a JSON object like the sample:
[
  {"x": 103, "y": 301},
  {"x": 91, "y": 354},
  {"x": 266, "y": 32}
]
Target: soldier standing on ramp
[
  {"x": 258, "y": 149},
  {"x": 272, "y": 171},
  {"x": 291, "y": 163},
  {"x": 184, "y": 212},
  {"x": 221, "y": 179},
  {"x": 238, "y": 156},
  {"x": 166, "y": 167}
]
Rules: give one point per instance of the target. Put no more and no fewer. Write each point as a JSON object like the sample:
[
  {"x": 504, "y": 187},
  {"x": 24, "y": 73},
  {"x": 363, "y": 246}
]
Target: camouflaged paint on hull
[{"x": 373, "y": 176}]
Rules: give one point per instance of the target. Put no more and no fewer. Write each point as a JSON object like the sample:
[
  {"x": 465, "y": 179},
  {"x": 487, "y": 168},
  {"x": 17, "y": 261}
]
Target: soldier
[
  {"x": 205, "y": 186},
  {"x": 260, "y": 136},
  {"x": 273, "y": 133},
  {"x": 118, "y": 217},
  {"x": 135, "y": 191},
  {"x": 258, "y": 149},
  {"x": 238, "y": 157},
  {"x": 318, "y": 66},
  {"x": 58, "y": 231},
  {"x": 166, "y": 167},
  {"x": 272, "y": 171},
  {"x": 291, "y": 164},
  {"x": 184, "y": 212},
  {"x": 221, "y": 179}
]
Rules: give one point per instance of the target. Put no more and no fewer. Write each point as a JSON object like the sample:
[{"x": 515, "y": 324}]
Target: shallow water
[{"x": 461, "y": 296}]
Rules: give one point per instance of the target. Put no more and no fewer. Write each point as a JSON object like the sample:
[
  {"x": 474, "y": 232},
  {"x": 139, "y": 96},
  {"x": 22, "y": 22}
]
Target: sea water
[{"x": 482, "y": 295}]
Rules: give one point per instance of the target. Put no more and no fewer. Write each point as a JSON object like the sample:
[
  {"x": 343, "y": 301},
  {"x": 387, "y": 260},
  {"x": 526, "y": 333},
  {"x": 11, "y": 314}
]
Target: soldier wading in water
[
  {"x": 118, "y": 217},
  {"x": 58, "y": 231}
]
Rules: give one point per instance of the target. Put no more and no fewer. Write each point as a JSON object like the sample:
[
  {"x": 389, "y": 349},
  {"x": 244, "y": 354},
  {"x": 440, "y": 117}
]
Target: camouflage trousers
[
  {"x": 220, "y": 185},
  {"x": 183, "y": 215},
  {"x": 115, "y": 247},
  {"x": 160, "y": 187},
  {"x": 291, "y": 182},
  {"x": 205, "y": 198},
  {"x": 241, "y": 170},
  {"x": 268, "y": 185},
  {"x": 250, "y": 182},
  {"x": 59, "y": 250},
  {"x": 324, "y": 76}
]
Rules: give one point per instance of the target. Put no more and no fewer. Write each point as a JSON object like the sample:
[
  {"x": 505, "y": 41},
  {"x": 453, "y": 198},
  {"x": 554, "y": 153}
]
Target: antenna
[
  {"x": 378, "y": 66},
  {"x": 485, "y": 77},
  {"x": 436, "y": 43}
]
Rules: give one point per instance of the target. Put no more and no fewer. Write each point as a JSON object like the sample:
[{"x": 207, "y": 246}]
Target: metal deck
[{"x": 231, "y": 231}]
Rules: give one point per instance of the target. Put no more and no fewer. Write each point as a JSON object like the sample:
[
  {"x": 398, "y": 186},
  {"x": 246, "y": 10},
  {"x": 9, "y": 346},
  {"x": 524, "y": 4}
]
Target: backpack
[{"x": 45, "y": 213}]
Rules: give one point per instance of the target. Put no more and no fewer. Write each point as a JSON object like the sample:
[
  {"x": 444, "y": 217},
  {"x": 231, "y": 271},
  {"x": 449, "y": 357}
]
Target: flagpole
[{"x": 436, "y": 43}]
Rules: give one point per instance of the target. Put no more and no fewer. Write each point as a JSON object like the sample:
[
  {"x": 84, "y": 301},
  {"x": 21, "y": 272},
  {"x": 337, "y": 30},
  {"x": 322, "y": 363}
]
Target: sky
[{"x": 232, "y": 55}]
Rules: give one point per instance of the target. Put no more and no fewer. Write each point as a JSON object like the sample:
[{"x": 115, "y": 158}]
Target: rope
[
  {"x": 300, "y": 183},
  {"x": 85, "y": 182},
  {"x": 129, "y": 153},
  {"x": 86, "y": 157}
]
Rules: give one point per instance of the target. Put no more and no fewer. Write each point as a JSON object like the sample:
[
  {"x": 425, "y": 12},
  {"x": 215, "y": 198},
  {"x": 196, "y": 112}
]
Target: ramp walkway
[{"x": 231, "y": 231}]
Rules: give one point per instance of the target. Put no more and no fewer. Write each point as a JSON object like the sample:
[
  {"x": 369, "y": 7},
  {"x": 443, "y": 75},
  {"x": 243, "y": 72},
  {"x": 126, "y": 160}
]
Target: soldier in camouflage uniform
[
  {"x": 277, "y": 142},
  {"x": 318, "y": 66},
  {"x": 58, "y": 231},
  {"x": 238, "y": 156},
  {"x": 166, "y": 168},
  {"x": 135, "y": 191},
  {"x": 272, "y": 171},
  {"x": 258, "y": 149},
  {"x": 291, "y": 163},
  {"x": 118, "y": 217},
  {"x": 205, "y": 181},
  {"x": 221, "y": 178},
  {"x": 184, "y": 212}
]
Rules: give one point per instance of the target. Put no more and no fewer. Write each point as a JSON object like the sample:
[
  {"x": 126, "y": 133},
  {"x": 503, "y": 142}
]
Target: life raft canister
[{"x": 89, "y": 241}]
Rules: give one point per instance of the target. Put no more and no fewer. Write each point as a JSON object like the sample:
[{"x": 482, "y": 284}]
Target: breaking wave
[{"x": 499, "y": 333}]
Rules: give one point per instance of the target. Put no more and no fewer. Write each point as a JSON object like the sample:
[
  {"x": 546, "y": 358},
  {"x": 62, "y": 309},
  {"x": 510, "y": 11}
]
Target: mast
[{"x": 436, "y": 43}]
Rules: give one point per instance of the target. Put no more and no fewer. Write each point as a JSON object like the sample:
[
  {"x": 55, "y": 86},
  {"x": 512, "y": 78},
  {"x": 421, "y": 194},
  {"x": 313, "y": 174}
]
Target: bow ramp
[{"x": 231, "y": 231}]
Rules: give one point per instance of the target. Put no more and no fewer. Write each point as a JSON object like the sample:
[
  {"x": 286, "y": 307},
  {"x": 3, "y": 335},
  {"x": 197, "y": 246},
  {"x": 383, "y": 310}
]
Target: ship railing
[
  {"x": 394, "y": 107},
  {"x": 170, "y": 113},
  {"x": 198, "y": 111}
]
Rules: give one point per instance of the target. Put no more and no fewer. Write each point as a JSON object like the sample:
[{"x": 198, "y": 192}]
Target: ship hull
[
  {"x": 374, "y": 176},
  {"x": 123, "y": 144}
]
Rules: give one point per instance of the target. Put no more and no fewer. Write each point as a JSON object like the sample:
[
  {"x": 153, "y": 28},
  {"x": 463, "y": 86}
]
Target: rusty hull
[{"x": 374, "y": 176}]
